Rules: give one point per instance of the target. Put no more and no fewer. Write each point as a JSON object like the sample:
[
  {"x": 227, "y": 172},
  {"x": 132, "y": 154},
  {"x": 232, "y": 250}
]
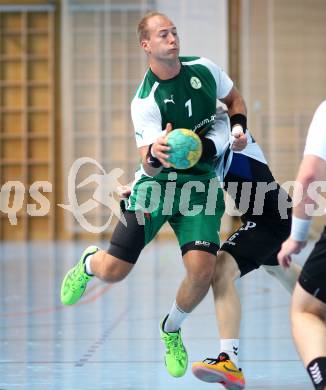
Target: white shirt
[{"x": 316, "y": 139}]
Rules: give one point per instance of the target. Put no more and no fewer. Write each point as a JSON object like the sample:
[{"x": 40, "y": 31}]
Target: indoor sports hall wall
[
  {"x": 283, "y": 76},
  {"x": 68, "y": 70},
  {"x": 27, "y": 118}
]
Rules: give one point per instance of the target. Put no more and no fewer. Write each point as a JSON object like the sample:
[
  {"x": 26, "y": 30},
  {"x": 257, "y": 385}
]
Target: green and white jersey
[{"x": 186, "y": 101}]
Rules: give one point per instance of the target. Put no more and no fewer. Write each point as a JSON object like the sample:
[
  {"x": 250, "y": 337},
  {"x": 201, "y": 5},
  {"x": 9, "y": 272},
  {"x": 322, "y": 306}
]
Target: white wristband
[
  {"x": 300, "y": 229},
  {"x": 237, "y": 130}
]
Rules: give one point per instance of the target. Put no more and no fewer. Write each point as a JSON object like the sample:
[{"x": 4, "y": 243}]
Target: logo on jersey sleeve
[
  {"x": 140, "y": 134},
  {"x": 195, "y": 82}
]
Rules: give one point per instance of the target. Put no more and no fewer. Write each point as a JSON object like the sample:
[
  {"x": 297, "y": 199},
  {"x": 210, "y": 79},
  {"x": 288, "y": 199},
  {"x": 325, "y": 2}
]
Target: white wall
[{"x": 202, "y": 26}]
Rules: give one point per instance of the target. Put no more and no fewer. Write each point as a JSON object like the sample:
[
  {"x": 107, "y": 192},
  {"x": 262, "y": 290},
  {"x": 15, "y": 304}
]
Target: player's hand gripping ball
[{"x": 185, "y": 148}]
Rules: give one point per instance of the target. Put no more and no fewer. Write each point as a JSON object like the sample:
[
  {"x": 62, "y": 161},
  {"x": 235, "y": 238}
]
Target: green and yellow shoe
[
  {"x": 75, "y": 282},
  {"x": 176, "y": 357}
]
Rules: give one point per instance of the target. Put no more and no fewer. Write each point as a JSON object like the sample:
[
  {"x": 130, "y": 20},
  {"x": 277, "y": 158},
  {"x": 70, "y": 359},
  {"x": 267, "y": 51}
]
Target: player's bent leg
[
  {"x": 104, "y": 266},
  {"x": 126, "y": 244},
  {"x": 287, "y": 277},
  {"x": 308, "y": 317},
  {"x": 109, "y": 268}
]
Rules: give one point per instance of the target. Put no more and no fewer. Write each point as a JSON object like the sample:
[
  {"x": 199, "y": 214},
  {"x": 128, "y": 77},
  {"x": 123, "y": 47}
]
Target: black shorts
[
  {"x": 313, "y": 276},
  {"x": 128, "y": 241},
  {"x": 259, "y": 239},
  {"x": 257, "y": 242}
]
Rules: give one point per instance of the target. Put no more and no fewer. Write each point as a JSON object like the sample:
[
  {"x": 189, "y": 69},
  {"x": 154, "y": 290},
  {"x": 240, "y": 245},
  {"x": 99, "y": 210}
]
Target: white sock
[
  {"x": 175, "y": 318},
  {"x": 231, "y": 347},
  {"x": 88, "y": 268}
]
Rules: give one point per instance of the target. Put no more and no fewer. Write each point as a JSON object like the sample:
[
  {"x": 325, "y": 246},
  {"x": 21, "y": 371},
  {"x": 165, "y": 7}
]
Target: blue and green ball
[{"x": 185, "y": 148}]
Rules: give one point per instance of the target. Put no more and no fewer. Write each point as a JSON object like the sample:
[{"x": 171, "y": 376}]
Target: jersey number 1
[{"x": 188, "y": 105}]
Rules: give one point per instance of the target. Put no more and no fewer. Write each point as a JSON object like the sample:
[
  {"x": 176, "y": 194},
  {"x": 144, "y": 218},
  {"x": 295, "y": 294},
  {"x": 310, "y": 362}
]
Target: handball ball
[{"x": 185, "y": 148}]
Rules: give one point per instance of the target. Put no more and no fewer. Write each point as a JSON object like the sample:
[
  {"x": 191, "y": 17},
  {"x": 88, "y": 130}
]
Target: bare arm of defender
[
  {"x": 237, "y": 113},
  {"x": 311, "y": 169}
]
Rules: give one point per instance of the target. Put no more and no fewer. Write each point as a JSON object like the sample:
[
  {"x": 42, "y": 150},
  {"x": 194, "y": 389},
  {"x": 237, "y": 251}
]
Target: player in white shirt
[{"x": 308, "y": 312}]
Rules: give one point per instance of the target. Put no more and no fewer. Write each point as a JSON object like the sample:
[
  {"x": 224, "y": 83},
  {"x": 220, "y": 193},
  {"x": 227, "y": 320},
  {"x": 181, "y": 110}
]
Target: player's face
[{"x": 163, "y": 42}]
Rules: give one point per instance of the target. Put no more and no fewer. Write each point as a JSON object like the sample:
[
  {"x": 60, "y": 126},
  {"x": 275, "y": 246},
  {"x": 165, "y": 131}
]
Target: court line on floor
[
  {"x": 57, "y": 308},
  {"x": 194, "y": 338},
  {"x": 100, "y": 341},
  {"x": 159, "y": 361}
]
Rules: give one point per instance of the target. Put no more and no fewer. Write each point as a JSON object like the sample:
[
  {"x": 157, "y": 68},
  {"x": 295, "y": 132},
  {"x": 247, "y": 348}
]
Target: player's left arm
[{"x": 238, "y": 118}]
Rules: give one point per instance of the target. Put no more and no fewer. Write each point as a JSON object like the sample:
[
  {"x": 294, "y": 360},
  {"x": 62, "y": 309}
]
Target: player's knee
[
  {"x": 303, "y": 303},
  {"x": 226, "y": 270},
  {"x": 299, "y": 311},
  {"x": 114, "y": 270},
  {"x": 201, "y": 275},
  {"x": 113, "y": 274},
  {"x": 205, "y": 276},
  {"x": 200, "y": 267},
  {"x": 295, "y": 319}
]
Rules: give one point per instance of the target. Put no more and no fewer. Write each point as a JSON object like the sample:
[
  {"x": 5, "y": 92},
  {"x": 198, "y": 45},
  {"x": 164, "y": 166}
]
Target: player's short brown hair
[{"x": 142, "y": 29}]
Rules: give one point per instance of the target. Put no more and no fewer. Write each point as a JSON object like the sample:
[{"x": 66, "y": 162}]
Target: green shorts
[{"x": 192, "y": 208}]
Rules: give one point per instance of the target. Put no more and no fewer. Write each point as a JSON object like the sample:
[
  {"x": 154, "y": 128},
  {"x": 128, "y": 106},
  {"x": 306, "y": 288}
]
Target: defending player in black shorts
[
  {"x": 265, "y": 216},
  {"x": 313, "y": 276},
  {"x": 265, "y": 210}
]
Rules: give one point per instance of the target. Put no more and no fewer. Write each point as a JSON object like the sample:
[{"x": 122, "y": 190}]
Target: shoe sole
[{"x": 210, "y": 376}]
